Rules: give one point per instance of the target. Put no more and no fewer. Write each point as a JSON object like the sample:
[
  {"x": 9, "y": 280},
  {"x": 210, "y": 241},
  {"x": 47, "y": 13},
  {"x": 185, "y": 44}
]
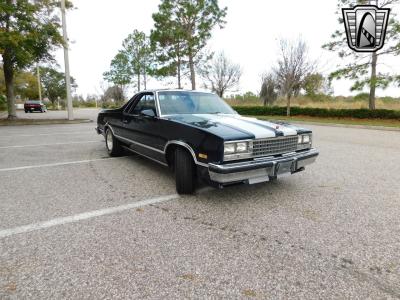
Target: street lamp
[{"x": 66, "y": 62}]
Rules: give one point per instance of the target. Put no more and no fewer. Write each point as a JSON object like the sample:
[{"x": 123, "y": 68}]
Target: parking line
[
  {"x": 45, "y": 134},
  {"x": 53, "y": 144},
  {"x": 58, "y": 164},
  {"x": 83, "y": 216}
]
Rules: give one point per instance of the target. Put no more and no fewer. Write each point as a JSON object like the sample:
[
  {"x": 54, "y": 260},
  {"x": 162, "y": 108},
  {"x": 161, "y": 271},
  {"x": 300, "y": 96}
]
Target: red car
[{"x": 34, "y": 105}]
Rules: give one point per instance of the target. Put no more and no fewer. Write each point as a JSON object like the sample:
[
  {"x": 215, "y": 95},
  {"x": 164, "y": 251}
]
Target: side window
[{"x": 146, "y": 102}]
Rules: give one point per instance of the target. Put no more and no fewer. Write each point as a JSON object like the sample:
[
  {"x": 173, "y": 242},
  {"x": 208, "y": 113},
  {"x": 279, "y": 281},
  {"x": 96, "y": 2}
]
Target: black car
[
  {"x": 199, "y": 135},
  {"x": 34, "y": 105}
]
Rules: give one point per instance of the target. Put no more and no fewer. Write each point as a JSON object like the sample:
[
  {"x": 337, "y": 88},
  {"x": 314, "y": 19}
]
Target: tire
[
  {"x": 26, "y": 111},
  {"x": 184, "y": 172},
  {"x": 113, "y": 146}
]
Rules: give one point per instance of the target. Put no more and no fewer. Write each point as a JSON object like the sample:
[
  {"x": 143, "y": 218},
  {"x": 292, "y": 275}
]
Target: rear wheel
[
  {"x": 26, "y": 111},
  {"x": 184, "y": 172},
  {"x": 114, "y": 147}
]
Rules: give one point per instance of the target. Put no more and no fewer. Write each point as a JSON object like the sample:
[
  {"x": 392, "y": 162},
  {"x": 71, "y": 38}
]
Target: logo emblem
[{"x": 365, "y": 27}]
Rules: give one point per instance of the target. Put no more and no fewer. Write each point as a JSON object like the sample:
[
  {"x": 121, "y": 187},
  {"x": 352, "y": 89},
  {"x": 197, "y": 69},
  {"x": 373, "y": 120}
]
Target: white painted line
[
  {"x": 58, "y": 164},
  {"x": 45, "y": 134},
  {"x": 83, "y": 216},
  {"x": 54, "y": 144}
]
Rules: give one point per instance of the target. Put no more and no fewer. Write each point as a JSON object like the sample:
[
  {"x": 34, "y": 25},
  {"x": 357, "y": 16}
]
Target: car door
[{"x": 141, "y": 127}]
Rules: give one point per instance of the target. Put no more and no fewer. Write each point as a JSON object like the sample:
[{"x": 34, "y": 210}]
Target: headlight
[
  {"x": 241, "y": 147},
  {"x": 229, "y": 149},
  {"x": 237, "y": 150},
  {"x": 299, "y": 139},
  {"x": 304, "y": 141}
]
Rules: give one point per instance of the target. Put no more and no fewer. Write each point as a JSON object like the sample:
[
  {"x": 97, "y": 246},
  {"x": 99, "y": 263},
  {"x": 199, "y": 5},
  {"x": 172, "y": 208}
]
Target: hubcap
[{"x": 109, "y": 140}]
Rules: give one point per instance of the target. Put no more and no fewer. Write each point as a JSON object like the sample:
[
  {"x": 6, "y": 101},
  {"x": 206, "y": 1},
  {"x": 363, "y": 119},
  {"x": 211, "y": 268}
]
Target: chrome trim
[
  {"x": 180, "y": 143},
  {"x": 158, "y": 107},
  {"x": 251, "y": 175},
  {"x": 140, "y": 144},
  {"x": 183, "y": 144},
  {"x": 250, "y": 153},
  {"x": 133, "y": 142},
  {"x": 258, "y": 171},
  {"x": 272, "y": 140},
  {"x": 153, "y": 159}
]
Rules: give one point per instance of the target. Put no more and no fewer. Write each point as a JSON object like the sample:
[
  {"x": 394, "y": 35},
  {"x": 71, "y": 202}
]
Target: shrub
[
  {"x": 361, "y": 96},
  {"x": 319, "y": 112},
  {"x": 3, "y": 103}
]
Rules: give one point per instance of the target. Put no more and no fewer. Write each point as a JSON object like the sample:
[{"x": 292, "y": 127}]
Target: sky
[{"x": 250, "y": 37}]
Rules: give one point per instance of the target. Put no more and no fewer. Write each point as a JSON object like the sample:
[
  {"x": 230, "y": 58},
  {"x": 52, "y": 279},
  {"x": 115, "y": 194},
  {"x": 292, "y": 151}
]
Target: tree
[
  {"x": 133, "y": 60},
  {"x": 136, "y": 47},
  {"x": 221, "y": 74},
  {"x": 292, "y": 68},
  {"x": 362, "y": 67},
  {"x": 187, "y": 25},
  {"x": 25, "y": 84},
  {"x": 120, "y": 73},
  {"x": 269, "y": 89},
  {"x": 53, "y": 83},
  {"x": 314, "y": 84},
  {"x": 29, "y": 33},
  {"x": 167, "y": 42},
  {"x": 113, "y": 93}
]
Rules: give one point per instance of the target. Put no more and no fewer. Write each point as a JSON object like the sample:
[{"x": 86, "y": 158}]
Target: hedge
[{"x": 319, "y": 112}]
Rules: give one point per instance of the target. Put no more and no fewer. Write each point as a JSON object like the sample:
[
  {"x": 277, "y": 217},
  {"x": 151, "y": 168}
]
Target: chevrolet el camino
[{"x": 199, "y": 136}]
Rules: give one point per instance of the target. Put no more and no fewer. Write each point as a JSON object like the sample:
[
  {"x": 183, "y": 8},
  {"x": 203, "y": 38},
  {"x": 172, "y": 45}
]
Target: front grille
[{"x": 280, "y": 145}]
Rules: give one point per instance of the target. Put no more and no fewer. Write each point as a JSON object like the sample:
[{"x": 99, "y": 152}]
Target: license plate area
[{"x": 284, "y": 167}]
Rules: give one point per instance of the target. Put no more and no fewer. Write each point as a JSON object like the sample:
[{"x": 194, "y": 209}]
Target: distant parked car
[{"x": 34, "y": 105}]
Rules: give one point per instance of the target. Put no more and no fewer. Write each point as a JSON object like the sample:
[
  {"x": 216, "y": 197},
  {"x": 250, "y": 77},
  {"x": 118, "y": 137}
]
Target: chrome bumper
[{"x": 260, "y": 170}]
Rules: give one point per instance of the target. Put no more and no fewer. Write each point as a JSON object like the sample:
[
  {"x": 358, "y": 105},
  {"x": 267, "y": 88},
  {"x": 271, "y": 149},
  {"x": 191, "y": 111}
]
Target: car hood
[{"x": 236, "y": 127}]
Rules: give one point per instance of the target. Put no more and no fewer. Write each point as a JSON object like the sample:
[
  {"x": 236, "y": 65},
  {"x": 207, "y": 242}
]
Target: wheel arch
[{"x": 169, "y": 151}]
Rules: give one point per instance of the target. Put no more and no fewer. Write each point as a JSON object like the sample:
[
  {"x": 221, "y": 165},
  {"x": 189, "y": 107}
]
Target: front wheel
[
  {"x": 114, "y": 147},
  {"x": 184, "y": 172}
]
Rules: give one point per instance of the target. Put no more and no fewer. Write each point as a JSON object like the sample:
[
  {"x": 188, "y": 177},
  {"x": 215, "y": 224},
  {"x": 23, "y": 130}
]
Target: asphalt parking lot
[{"x": 77, "y": 224}]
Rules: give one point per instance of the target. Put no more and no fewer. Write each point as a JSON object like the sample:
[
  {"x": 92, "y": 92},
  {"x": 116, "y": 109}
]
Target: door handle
[{"x": 125, "y": 121}]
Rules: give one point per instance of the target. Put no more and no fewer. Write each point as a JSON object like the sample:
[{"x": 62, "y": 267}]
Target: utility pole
[
  {"x": 66, "y": 61},
  {"x": 38, "y": 80}
]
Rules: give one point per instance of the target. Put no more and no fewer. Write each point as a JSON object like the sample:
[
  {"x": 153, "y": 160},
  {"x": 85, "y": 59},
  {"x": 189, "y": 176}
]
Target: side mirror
[{"x": 148, "y": 113}]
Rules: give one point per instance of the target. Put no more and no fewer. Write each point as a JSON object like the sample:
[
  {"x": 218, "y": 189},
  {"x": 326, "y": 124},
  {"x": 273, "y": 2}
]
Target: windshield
[{"x": 182, "y": 102}]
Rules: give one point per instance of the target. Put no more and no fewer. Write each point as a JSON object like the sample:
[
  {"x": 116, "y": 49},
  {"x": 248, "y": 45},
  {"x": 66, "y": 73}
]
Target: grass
[
  {"x": 325, "y": 102},
  {"x": 343, "y": 121},
  {"x": 6, "y": 122}
]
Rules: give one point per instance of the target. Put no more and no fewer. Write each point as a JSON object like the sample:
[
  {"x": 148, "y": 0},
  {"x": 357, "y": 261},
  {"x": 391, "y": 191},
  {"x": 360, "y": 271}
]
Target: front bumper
[{"x": 262, "y": 169}]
